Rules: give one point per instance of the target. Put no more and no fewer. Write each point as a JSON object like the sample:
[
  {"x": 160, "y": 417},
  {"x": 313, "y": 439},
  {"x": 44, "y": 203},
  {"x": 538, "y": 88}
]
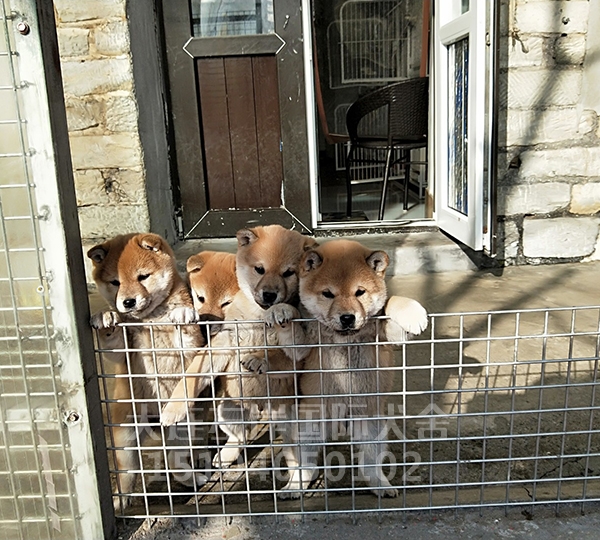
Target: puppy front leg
[
  {"x": 406, "y": 316},
  {"x": 280, "y": 317},
  {"x": 110, "y": 336},
  {"x": 187, "y": 387},
  {"x": 309, "y": 434},
  {"x": 233, "y": 418},
  {"x": 371, "y": 454}
]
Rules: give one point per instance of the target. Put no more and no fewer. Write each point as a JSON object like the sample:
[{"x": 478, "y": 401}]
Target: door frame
[{"x": 195, "y": 218}]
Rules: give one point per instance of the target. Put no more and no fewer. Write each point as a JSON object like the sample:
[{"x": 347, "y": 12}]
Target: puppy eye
[
  {"x": 115, "y": 282},
  {"x": 259, "y": 270},
  {"x": 225, "y": 304},
  {"x": 359, "y": 292},
  {"x": 288, "y": 273},
  {"x": 201, "y": 299},
  {"x": 142, "y": 277},
  {"x": 328, "y": 294}
]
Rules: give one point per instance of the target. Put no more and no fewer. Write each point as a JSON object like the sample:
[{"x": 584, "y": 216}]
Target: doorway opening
[{"x": 360, "y": 46}]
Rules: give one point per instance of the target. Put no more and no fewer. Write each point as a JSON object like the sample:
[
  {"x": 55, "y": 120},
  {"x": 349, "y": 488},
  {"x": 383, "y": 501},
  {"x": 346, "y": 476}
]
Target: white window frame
[{"x": 449, "y": 27}]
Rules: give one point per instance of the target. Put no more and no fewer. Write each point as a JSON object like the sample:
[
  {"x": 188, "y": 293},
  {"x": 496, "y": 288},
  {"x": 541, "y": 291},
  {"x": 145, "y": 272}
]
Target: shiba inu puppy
[
  {"x": 137, "y": 274},
  {"x": 342, "y": 286},
  {"x": 213, "y": 282},
  {"x": 267, "y": 263}
]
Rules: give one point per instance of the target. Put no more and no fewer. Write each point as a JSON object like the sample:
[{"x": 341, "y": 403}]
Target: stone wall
[
  {"x": 549, "y": 162},
  {"x": 102, "y": 117}
]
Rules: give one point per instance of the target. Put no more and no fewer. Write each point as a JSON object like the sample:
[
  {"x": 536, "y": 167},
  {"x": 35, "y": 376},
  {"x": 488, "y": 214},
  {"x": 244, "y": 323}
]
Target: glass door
[{"x": 462, "y": 118}]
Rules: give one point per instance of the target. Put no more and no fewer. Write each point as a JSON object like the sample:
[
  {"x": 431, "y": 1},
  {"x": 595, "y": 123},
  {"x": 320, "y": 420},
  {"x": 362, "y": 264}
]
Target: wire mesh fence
[{"x": 485, "y": 409}]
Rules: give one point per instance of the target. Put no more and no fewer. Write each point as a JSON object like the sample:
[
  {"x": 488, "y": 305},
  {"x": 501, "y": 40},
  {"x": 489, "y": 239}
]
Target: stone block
[
  {"x": 508, "y": 240},
  {"x": 89, "y": 188},
  {"x": 96, "y": 76},
  {"x": 106, "y": 151},
  {"x": 529, "y": 127},
  {"x": 560, "y": 162},
  {"x": 121, "y": 114},
  {"x": 73, "y": 41},
  {"x": 560, "y": 238},
  {"x": 529, "y": 53},
  {"x": 569, "y": 49},
  {"x": 108, "y": 221},
  {"x": 83, "y": 114},
  {"x": 552, "y": 17},
  {"x": 586, "y": 198},
  {"x": 112, "y": 39},
  {"x": 533, "y": 198},
  {"x": 527, "y": 89},
  {"x": 124, "y": 186},
  {"x": 86, "y": 10},
  {"x": 109, "y": 187}
]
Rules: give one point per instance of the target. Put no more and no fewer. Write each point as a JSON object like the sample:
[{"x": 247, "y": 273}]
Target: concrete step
[{"x": 410, "y": 253}]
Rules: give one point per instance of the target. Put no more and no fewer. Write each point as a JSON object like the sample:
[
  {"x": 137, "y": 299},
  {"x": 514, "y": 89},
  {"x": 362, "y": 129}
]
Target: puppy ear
[
  {"x": 311, "y": 261},
  {"x": 151, "y": 242},
  {"x": 98, "y": 253},
  {"x": 196, "y": 262},
  {"x": 310, "y": 243},
  {"x": 378, "y": 261},
  {"x": 246, "y": 237}
]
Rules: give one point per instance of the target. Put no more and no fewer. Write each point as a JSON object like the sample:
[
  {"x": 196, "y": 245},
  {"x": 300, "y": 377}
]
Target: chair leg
[
  {"x": 349, "y": 181},
  {"x": 386, "y": 176},
  {"x": 406, "y": 180}
]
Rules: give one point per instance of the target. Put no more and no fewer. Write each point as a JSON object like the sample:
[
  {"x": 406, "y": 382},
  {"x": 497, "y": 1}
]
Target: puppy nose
[
  {"x": 129, "y": 303},
  {"x": 269, "y": 297},
  {"x": 347, "y": 320}
]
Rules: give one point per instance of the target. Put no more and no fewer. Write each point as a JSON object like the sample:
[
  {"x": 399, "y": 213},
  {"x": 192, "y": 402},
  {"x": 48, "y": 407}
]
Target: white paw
[
  {"x": 173, "y": 412},
  {"x": 389, "y": 493},
  {"x": 184, "y": 315},
  {"x": 120, "y": 503},
  {"x": 280, "y": 314},
  {"x": 187, "y": 479},
  {"x": 254, "y": 363},
  {"x": 105, "y": 319},
  {"x": 289, "y": 491},
  {"x": 405, "y": 315},
  {"x": 226, "y": 457}
]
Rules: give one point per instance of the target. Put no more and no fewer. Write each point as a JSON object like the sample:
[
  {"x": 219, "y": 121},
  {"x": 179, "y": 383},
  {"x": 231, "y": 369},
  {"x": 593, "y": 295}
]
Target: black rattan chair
[{"x": 407, "y": 105}]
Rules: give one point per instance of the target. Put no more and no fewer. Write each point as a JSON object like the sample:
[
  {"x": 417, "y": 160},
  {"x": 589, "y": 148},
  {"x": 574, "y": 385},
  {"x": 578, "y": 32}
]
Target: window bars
[{"x": 486, "y": 409}]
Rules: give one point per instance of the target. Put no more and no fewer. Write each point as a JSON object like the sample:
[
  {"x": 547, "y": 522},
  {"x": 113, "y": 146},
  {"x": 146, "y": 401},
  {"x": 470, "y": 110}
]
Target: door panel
[
  {"x": 219, "y": 169},
  {"x": 250, "y": 150},
  {"x": 463, "y": 118}
]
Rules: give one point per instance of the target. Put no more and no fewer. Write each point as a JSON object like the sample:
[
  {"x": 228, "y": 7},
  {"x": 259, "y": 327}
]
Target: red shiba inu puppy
[
  {"x": 342, "y": 286},
  {"x": 267, "y": 263},
  {"x": 137, "y": 274},
  {"x": 213, "y": 282}
]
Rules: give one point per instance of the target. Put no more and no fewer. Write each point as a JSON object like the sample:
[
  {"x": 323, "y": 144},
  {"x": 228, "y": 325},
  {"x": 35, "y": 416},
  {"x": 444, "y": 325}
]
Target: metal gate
[
  {"x": 51, "y": 482},
  {"x": 487, "y": 409}
]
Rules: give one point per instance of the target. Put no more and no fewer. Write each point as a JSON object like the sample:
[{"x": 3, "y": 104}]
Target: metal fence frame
[
  {"x": 491, "y": 409},
  {"x": 54, "y": 482}
]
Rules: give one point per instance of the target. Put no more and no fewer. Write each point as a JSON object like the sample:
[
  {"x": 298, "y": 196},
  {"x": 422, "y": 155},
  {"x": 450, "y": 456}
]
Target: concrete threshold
[{"x": 410, "y": 253}]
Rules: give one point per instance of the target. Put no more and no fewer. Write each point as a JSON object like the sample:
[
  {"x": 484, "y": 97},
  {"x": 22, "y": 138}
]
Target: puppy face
[
  {"x": 213, "y": 282},
  {"x": 342, "y": 284},
  {"x": 267, "y": 261},
  {"x": 105, "y": 258},
  {"x": 136, "y": 274}
]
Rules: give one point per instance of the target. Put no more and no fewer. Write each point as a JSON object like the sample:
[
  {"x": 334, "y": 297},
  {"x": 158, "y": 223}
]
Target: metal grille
[
  {"x": 486, "y": 409},
  {"x": 375, "y": 41},
  {"x": 39, "y": 476}
]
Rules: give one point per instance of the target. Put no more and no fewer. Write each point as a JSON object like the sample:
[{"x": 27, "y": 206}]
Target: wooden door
[{"x": 239, "y": 115}]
